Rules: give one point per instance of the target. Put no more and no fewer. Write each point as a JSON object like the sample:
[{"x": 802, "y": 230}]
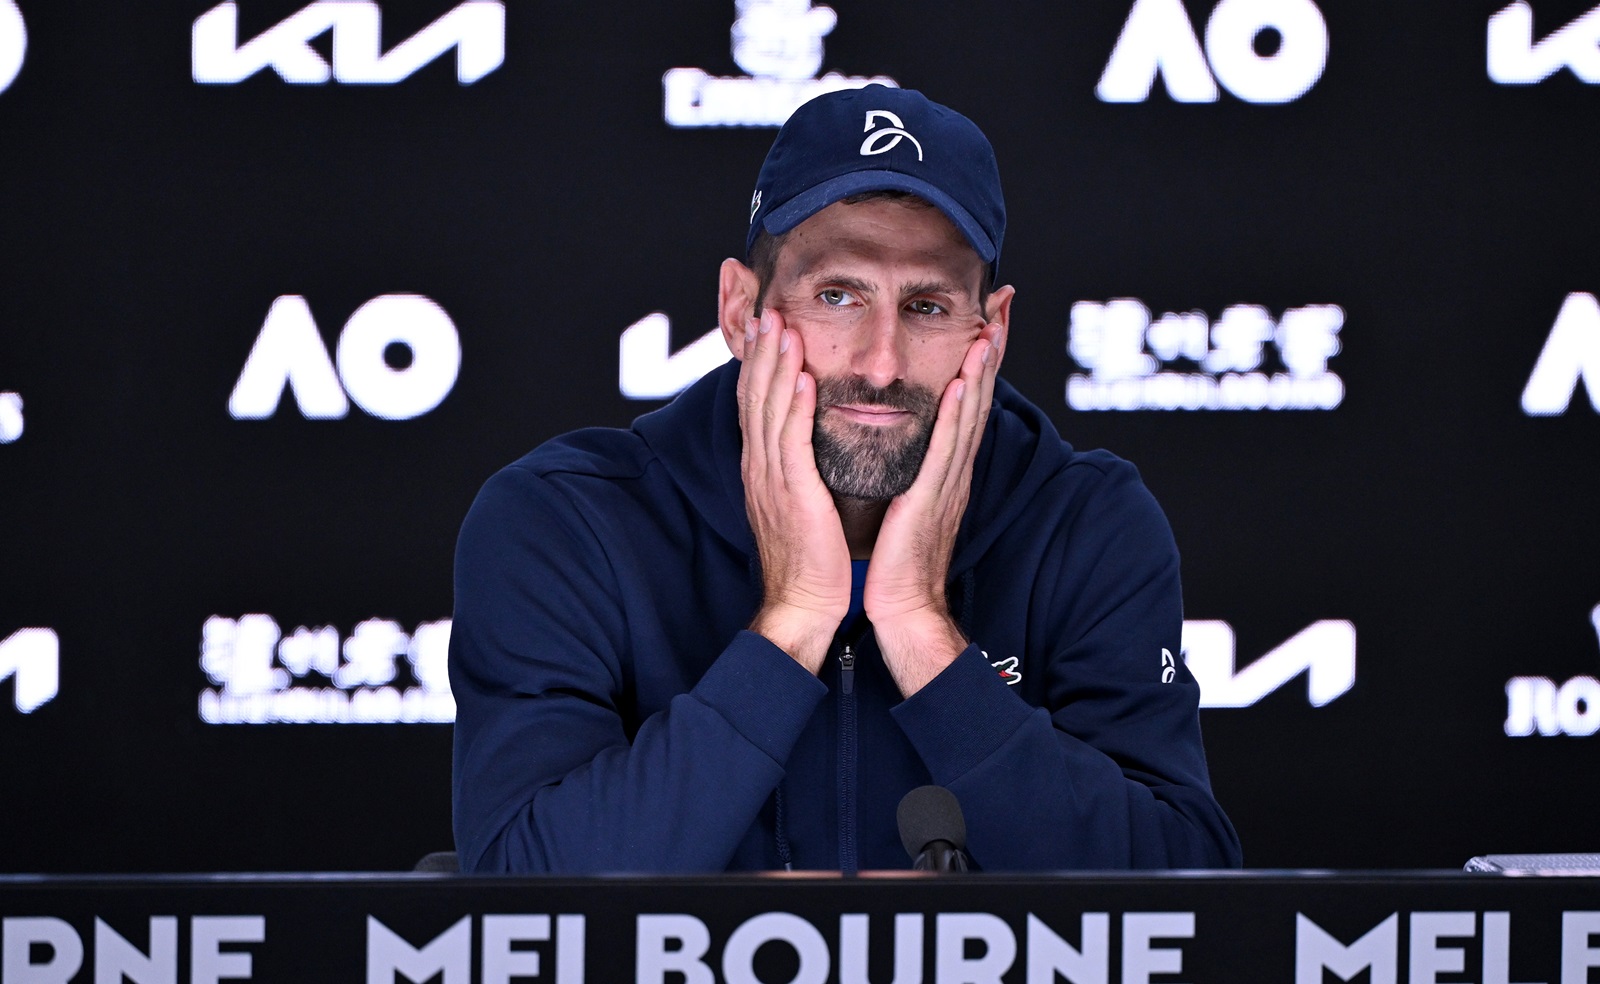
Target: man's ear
[
  {"x": 999, "y": 307},
  {"x": 737, "y": 287}
]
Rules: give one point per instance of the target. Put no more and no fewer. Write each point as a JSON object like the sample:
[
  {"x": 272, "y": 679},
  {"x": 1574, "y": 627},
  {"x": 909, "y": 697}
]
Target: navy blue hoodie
[{"x": 614, "y": 714}]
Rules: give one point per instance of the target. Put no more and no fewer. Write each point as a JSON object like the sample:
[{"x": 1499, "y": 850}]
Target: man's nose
[{"x": 882, "y": 351}]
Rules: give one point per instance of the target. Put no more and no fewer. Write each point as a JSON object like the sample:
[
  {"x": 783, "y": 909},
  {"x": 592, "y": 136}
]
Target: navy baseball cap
[{"x": 881, "y": 139}]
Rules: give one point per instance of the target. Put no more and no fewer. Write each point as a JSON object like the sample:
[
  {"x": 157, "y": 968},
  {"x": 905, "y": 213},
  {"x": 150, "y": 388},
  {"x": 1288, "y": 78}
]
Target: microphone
[{"x": 932, "y": 830}]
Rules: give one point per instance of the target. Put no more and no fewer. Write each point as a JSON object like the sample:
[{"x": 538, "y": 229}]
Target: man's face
[{"x": 884, "y": 297}]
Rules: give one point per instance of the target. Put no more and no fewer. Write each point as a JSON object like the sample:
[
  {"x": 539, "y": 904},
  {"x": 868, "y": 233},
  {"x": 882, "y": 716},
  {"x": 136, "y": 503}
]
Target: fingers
[
  {"x": 777, "y": 404},
  {"x": 760, "y": 360},
  {"x": 764, "y": 393},
  {"x": 963, "y": 413},
  {"x": 797, "y": 456},
  {"x": 804, "y": 557},
  {"x": 979, "y": 371}
]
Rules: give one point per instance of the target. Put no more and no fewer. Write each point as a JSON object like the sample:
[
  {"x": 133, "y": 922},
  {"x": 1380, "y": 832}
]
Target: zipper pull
[{"x": 847, "y": 671}]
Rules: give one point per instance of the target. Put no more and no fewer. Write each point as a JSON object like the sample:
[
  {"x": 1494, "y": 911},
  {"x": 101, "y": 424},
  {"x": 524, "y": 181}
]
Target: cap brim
[{"x": 813, "y": 200}]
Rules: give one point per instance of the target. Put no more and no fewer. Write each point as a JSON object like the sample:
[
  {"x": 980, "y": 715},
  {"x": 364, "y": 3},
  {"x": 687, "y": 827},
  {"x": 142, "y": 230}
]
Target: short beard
[{"x": 864, "y": 463}]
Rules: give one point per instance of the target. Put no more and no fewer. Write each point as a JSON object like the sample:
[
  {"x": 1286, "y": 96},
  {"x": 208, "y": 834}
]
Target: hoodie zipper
[{"x": 847, "y": 760}]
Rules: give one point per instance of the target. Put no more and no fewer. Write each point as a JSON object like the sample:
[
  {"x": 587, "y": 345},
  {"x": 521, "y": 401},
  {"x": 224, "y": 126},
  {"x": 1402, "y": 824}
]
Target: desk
[{"x": 1233, "y": 927}]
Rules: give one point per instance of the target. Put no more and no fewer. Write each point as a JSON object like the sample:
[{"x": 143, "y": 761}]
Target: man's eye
[
  {"x": 924, "y": 307},
  {"x": 835, "y": 297}
]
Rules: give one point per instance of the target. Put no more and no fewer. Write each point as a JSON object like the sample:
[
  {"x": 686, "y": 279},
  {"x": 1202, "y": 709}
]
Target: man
[{"x": 846, "y": 564}]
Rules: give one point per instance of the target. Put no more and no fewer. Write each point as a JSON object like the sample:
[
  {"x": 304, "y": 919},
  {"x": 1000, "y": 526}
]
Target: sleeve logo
[{"x": 1009, "y": 669}]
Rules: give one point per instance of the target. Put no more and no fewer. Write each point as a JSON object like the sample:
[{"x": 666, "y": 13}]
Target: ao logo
[
  {"x": 1515, "y": 60},
  {"x": 32, "y": 659},
  {"x": 13, "y": 42},
  {"x": 11, "y": 422},
  {"x": 1570, "y": 354},
  {"x": 289, "y": 351},
  {"x": 476, "y": 29},
  {"x": 1158, "y": 39},
  {"x": 874, "y": 143}
]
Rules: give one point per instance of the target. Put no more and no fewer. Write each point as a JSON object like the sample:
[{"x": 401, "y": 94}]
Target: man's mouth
[{"x": 873, "y": 415}]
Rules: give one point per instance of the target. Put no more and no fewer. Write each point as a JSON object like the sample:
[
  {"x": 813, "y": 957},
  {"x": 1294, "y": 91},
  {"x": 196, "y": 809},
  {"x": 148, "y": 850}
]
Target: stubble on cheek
[{"x": 859, "y": 461}]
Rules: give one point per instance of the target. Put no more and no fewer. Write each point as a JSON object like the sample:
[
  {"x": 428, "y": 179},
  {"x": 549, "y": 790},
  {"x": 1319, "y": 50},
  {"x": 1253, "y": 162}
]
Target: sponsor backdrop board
[
  {"x": 285, "y": 281},
  {"x": 739, "y": 929}
]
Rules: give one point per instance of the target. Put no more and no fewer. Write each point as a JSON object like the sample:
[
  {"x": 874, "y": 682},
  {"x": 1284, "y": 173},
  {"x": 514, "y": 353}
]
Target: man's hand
[
  {"x": 905, "y": 596},
  {"x": 805, "y": 561}
]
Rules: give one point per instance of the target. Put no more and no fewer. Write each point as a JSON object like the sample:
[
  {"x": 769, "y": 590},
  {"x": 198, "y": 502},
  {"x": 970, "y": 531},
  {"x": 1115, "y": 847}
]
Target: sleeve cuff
[
  {"x": 961, "y": 717},
  {"x": 762, "y": 692}
]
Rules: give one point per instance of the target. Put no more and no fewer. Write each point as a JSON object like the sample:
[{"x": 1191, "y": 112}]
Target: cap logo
[
  {"x": 755, "y": 204},
  {"x": 874, "y": 144}
]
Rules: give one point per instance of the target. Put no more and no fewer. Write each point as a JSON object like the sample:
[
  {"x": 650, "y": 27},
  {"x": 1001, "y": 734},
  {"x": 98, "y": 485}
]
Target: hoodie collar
[{"x": 697, "y": 440}]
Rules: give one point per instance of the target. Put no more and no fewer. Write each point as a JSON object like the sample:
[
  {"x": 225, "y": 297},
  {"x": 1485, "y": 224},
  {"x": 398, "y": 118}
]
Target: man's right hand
[{"x": 805, "y": 561}]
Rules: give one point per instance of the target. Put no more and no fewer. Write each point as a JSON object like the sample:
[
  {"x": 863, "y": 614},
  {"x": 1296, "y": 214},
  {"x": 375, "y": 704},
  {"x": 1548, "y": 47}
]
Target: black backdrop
[{"x": 151, "y": 221}]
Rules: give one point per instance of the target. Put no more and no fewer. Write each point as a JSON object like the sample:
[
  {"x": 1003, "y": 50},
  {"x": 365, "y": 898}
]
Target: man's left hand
[{"x": 905, "y": 591}]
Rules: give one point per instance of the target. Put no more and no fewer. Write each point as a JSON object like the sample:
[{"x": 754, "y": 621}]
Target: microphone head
[{"x": 928, "y": 814}]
